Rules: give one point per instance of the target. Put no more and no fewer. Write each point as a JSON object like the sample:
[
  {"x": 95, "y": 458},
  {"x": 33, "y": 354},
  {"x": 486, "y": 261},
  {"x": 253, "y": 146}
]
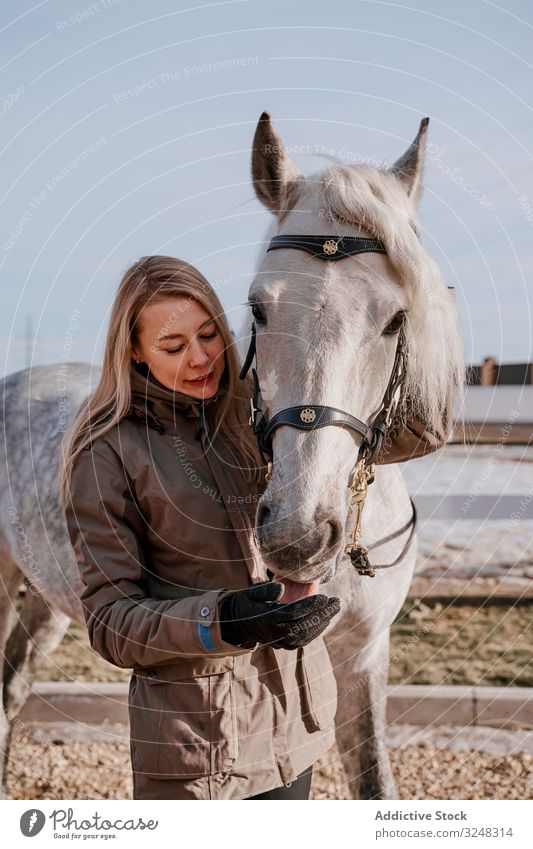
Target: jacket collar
[{"x": 161, "y": 407}]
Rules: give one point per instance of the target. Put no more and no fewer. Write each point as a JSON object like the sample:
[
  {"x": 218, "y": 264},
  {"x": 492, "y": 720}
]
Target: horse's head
[{"x": 327, "y": 333}]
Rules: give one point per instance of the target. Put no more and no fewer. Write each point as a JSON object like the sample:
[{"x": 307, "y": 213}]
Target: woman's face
[{"x": 181, "y": 343}]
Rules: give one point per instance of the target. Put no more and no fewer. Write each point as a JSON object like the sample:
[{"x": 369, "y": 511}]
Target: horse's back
[
  {"x": 45, "y": 387},
  {"x": 38, "y": 405}
]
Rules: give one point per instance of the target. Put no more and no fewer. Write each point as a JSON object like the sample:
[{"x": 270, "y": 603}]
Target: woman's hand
[{"x": 253, "y": 615}]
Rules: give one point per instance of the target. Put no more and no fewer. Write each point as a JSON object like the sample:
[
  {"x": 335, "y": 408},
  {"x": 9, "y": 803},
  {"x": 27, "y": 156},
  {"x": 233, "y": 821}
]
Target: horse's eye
[
  {"x": 395, "y": 324},
  {"x": 258, "y": 314}
]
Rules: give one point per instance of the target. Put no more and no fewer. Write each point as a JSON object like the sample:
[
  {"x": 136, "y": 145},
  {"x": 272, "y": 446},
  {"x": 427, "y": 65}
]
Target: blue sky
[{"x": 127, "y": 129}]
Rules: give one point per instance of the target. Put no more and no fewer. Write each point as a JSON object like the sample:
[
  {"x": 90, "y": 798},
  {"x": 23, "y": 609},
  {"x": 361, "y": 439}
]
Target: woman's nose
[{"x": 197, "y": 354}]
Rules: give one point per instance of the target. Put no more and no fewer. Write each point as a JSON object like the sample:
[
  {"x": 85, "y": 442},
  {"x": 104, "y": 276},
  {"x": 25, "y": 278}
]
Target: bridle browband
[
  {"x": 313, "y": 416},
  {"x": 330, "y": 248}
]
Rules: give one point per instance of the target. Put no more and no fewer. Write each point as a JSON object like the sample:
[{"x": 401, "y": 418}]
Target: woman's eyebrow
[{"x": 180, "y": 335}]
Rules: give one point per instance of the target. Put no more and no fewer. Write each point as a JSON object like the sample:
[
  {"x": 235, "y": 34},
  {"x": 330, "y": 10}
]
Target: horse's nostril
[
  {"x": 334, "y": 533},
  {"x": 328, "y": 529}
]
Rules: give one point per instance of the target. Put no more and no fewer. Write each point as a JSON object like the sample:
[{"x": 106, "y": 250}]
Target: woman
[{"x": 232, "y": 694}]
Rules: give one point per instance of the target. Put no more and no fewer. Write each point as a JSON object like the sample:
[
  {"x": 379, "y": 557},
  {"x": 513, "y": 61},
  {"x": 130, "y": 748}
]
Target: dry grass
[
  {"x": 462, "y": 644},
  {"x": 430, "y": 644}
]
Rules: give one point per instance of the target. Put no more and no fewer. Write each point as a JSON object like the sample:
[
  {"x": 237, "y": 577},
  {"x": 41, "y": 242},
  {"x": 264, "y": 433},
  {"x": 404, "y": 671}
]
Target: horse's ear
[
  {"x": 275, "y": 176},
  {"x": 408, "y": 168}
]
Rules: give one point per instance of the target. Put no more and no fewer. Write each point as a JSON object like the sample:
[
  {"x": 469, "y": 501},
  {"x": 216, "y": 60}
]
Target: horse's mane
[{"x": 374, "y": 199}]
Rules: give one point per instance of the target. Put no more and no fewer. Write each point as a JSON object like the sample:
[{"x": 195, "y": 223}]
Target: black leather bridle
[{"x": 313, "y": 416}]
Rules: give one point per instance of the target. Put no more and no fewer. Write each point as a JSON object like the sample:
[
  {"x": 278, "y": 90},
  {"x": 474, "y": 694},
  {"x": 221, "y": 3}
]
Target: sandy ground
[{"x": 446, "y": 763}]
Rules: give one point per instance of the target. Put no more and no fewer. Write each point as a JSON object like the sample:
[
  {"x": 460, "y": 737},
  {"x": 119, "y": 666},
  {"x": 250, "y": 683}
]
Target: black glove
[{"x": 253, "y": 615}]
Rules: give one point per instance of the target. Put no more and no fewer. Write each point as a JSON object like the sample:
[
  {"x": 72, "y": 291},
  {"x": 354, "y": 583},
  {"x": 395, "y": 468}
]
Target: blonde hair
[{"x": 150, "y": 280}]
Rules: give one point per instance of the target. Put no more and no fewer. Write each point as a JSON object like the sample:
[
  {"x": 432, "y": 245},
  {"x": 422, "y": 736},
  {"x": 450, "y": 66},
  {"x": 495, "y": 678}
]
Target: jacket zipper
[{"x": 236, "y": 515}]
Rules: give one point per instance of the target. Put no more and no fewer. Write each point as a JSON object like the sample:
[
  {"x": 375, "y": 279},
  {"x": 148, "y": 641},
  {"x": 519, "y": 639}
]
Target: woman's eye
[
  {"x": 258, "y": 314},
  {"x": 181, "y": 347},
  {"x": 395, "y": 324}
]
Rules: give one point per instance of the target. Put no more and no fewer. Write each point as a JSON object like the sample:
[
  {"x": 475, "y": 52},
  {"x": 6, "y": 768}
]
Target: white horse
[{"x": 326, "y": 334}]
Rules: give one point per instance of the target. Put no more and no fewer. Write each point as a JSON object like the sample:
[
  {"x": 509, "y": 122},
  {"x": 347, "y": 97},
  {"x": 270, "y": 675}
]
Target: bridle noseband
[{"x": 313, "y": 416}]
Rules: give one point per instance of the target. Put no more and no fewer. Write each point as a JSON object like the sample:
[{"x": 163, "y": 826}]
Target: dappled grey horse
[
  {"x": 330, "y": 341},
  {"x": 37, "y": 406}
]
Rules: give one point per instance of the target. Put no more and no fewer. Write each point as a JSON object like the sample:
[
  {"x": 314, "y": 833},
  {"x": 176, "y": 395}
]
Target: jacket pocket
[
  {"x": 319, "y": 686},
  {"x": 184, "y": 727}
]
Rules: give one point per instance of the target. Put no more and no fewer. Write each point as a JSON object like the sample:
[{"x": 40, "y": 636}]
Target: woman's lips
[{"x": 200, "y": 381}]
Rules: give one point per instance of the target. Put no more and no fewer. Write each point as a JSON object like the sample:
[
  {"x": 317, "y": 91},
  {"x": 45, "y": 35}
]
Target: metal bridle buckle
[{"x": 330, "y": 247}]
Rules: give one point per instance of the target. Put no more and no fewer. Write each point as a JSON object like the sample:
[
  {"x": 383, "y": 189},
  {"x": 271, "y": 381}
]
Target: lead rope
[
  {"x": 359, "y": 553},
  {"x": 364, "y": 472},
  {"x": 364, "y": 475}
]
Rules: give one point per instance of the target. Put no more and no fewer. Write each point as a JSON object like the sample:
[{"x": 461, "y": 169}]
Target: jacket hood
[{"x": 162, "y": 407}]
